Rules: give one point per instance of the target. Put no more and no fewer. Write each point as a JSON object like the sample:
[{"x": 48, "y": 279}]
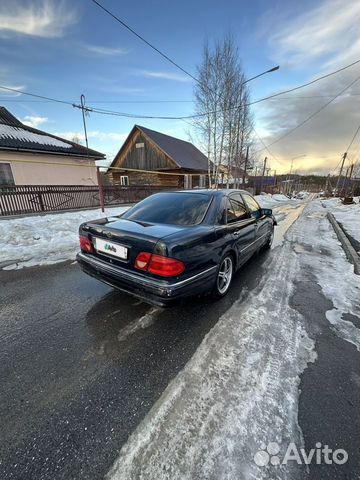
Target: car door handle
[{"x": 237, "y": 232}]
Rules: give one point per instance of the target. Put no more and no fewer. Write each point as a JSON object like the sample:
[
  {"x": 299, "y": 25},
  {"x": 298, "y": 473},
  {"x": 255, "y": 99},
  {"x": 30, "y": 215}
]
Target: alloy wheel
[{"x": 225, "y": 275}]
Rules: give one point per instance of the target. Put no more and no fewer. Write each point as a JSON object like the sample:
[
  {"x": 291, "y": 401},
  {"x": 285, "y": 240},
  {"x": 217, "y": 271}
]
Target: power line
[
  {"x": 265, "y": 147},
  {"x": 189, "y": 117},
  {"x": 308, "y": 83},
  {"x": 312, "y": 115},
  {"x": 140, "y": 37},
  {"x": 7, "y": 99},
  {"x": 132, "y": 115},
  {"x": 353, "y": 138},
  {"x": 337, "y": 166},
  {"x": 38, "y": 96},
  {"x": 11, "y": 100}
]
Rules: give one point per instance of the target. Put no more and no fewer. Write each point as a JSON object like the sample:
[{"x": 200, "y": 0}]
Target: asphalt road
[{"x": 81, "y": 364}]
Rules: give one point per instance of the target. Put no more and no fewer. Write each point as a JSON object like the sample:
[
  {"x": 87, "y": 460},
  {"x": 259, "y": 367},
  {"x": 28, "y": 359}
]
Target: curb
[{"x": 350, "y": 252}]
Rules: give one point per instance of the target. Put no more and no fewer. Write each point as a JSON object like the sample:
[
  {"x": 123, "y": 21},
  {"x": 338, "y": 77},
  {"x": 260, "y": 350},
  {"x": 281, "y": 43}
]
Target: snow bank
[
  {"x": 347, "y": 215},
  {"x": 45, "y": 239},
  {"x": 271, "y": 201},
  {"x": 324, "y": 256}
]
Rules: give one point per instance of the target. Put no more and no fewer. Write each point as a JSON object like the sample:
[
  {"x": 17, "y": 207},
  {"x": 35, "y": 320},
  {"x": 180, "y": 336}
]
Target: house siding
[
  {"x": 141, "y": 153},
  {"x": 26, "y": 172}
]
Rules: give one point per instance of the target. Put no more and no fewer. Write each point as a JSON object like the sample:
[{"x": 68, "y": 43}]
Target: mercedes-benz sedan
[{"x": 176, "y": 244}]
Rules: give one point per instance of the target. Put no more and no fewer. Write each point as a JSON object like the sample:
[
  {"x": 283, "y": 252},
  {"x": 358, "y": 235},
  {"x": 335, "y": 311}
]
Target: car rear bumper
[{"x": 157, "y": 292}]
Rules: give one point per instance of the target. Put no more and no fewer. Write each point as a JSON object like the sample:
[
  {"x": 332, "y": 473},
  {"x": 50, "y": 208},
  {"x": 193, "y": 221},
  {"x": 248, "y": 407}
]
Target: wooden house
[{"x": 148, "y": 157}]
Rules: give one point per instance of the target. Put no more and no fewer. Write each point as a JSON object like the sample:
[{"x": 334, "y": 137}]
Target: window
[
  {"x": 252, "y": 204},
  {"x": 187, "y": 181},
  {"x": 236, "y": 209},
  {"x": 124, "y": 180},
  {"x": 6, "y": 176},
  {"x": 202, "y": 181},
  {"x": 173, "y": 208}
]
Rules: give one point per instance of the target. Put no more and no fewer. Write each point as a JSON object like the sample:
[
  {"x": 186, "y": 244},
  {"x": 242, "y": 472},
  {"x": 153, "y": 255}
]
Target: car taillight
[
  {"x": 142, "y": 260},
  {"x": 158, "y": 265},
  {"x": 85, "y": 244}
]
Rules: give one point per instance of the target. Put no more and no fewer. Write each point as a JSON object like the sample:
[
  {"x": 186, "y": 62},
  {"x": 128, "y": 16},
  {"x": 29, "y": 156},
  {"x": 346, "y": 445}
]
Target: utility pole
[
  {"x": 83, "y": 110},
  {"x": 262, "y": 176},
  {"x": 343, "y": 189},
  {"x": 246, "y": 164},
  {"x": 98, "y": 173},
  {"x": 350, "y": 175},
  {"x": 341, "y": 169}
]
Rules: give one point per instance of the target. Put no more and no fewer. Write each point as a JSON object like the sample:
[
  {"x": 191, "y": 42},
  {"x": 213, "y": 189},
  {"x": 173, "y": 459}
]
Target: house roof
[
  {"x": 183, "y": 153},
  {"x": 14, "y": 135}
]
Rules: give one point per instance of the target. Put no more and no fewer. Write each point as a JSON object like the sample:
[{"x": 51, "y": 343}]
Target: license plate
[{"x": 110, "y": 248}]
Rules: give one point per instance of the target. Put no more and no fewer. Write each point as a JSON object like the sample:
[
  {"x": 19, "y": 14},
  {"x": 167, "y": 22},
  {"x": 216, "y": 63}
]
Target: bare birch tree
[{"x": 221, "y": 98}]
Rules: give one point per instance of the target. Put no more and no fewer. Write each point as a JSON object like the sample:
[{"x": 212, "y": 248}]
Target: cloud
[
  {"x": 106, "y": 51},
  {"x": 34, "y": 121},
  {"x": 328, "y": 29},
  {"x": 95, "y": 135},
  {"x": 327, "y": 37},
  {"x": 36, "y": 18},
  {"x": 164, "y": 75}
]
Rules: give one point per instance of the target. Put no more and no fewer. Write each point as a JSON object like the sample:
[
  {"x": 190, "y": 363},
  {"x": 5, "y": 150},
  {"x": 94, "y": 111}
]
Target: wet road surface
[{"x": 81, "y": 364}]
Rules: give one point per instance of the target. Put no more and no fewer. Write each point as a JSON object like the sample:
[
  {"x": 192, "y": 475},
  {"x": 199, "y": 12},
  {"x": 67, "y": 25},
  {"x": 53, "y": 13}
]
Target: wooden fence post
[{"x": 101, "y": 190}]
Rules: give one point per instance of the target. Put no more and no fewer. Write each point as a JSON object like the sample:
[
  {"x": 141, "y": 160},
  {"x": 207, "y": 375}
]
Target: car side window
[
  {"x": 253, "y": 206},
  {"x": 236, "y": 209}
]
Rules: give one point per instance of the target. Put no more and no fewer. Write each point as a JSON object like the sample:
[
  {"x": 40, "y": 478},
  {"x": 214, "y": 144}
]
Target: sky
[{"x": 63, "y": 48}]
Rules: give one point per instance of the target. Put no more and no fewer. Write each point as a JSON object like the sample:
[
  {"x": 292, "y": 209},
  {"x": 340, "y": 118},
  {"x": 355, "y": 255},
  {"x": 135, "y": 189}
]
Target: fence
[{"x": 23, "y": 199}]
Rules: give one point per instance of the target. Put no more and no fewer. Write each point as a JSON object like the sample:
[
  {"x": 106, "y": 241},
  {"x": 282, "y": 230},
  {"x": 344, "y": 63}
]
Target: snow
[
  {"x": 17, "y": 133},
  {"x": 324, "y": 256},
  {"x": 271, "y": 201},
  {"x": 48, "y": 239},
  {"x": 45, "y": 239},
  {"x": 347, "y": 215},
  {"x": 238, "y": 391}
]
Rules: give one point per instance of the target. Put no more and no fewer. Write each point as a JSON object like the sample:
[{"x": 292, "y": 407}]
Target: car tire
[
  {"x": 224, "y": 276},
  {"x": 269, "y": 240}
]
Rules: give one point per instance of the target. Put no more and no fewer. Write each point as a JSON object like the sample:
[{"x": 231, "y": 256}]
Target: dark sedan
[{"x": 176, "y": 244}]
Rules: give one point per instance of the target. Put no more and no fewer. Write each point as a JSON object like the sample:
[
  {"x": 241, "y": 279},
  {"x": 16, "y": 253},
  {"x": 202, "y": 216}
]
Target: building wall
[
  {"x": 160, "y": 180},
  {"x": 143, "y": 178},
  {"x": 142, "y": 154},
  {"x": 29, "y": 173},
  {"x": 139, "y": 153}
]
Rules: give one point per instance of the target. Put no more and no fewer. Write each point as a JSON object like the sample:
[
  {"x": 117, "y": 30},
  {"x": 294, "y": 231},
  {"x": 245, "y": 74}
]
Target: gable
[
  {"x": 160, "y": 152},
  {"x": 141, "y": 153}
]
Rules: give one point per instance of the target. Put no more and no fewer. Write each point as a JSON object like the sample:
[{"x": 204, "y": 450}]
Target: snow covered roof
[{"x": 14, "y": 135}]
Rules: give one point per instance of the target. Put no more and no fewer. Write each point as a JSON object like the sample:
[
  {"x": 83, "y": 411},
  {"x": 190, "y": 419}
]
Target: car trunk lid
[{"x": 133, "y": 236}]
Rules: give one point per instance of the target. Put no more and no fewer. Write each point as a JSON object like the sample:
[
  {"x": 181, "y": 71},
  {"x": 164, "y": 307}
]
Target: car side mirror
[{"x": 267, "y": 212}]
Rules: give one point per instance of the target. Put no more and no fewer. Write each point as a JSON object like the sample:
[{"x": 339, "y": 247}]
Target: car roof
[{"x": 225, "y": 191}]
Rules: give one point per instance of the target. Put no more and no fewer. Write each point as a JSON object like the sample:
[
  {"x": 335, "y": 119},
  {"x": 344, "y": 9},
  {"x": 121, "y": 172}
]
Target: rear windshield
[{"x": 170, "y": 208}]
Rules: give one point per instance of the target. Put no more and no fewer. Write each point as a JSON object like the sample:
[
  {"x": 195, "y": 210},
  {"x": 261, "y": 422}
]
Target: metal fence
[{"x": 24, "y": 199}]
